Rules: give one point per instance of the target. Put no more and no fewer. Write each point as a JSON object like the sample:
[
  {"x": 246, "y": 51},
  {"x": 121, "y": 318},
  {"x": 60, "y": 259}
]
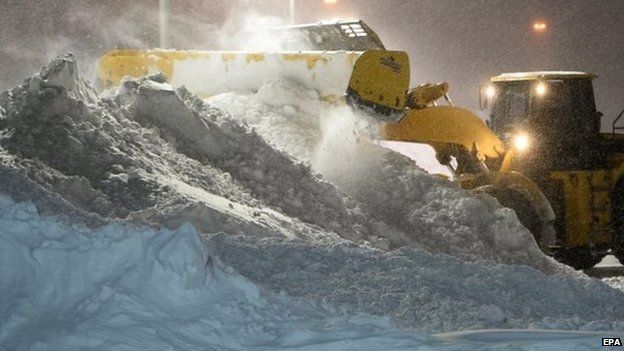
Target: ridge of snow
[
  {"x": 419, "y": 210},
  {"x": 123, "y": 287},
  {"x": 131, "y": 288}
]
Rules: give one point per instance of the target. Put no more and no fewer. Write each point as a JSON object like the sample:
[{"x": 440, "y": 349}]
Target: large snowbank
[
  {"x": 127, "y": 288},
  {"x": 424, "y": 291},
  {"x": 421, "y": 210},
  {"x": 157, "y": 156}
]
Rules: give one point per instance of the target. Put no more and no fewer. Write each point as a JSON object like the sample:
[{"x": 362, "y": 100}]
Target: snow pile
[
  {"x": 155, "y": 156},
  {"x": 126, "y": 288},
  {"x": 151, "y": 150},
  {"x": 421, "y": 210},
  {"x": 121, "y": 287},
  {"x": 615, "y": 282},
  {"x": 436, "y": 293}
]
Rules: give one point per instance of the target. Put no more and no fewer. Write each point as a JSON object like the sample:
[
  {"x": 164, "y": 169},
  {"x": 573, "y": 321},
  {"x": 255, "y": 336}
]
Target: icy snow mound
[
  {"x": 126, "y": 288},
  {"x": 158, "y": 155},
  {"x": 420, "y": 210},
  {"x": 615, "y": 282},
  {"x": 422, "y": 291},
  {"x": 122, "y": 287}
]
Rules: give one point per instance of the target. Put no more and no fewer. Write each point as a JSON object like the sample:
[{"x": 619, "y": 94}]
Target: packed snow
[
  {"x": 123, "y": 287},
  {"x": 147, "y": 218},
  {"x": 422, "y": 211},
  {"x": 615, "y": 282}
]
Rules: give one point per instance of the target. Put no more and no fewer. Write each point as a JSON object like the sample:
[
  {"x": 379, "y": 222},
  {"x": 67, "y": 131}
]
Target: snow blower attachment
[
  {"x": 208, "y": 73},
  {"x": 362, "y": 73}
]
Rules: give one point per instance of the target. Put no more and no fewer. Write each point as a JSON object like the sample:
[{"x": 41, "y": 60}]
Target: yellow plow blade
[
  {"x": 446, "y": 125},
  {"x": 208, "y": 73}
]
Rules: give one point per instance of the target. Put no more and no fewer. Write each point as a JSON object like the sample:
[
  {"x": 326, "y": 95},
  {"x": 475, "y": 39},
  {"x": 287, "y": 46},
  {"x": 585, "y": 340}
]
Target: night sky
[{"x": 460, "y": 41}]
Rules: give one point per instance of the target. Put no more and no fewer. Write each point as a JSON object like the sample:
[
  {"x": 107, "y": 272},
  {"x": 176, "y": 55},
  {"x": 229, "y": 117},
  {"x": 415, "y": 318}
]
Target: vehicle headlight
[
  {"x": 541, "y": 89},
  {"x": 521, "y": 141}
]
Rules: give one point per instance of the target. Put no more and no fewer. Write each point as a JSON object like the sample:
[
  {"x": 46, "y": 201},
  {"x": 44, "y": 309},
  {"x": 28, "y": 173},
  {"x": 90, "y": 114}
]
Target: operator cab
[
  {"x": 550, "y": 114},
  {"x": 329, "y": 36}
]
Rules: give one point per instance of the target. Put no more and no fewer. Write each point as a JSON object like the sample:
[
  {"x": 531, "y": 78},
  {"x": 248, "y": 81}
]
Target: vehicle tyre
[
  {"x": 527, "y": 214},
  {"x": 521, "y": 203}
]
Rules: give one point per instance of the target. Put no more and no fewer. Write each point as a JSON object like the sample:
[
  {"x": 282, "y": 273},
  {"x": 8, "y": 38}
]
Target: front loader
[
  {"x": 541, "y": 153},
  {"x": 545, "y": 158},
  {"x": 578, "y": 168}
]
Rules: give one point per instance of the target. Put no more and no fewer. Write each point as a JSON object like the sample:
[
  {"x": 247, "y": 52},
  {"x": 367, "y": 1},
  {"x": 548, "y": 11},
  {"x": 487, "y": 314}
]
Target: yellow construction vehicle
[
  {"x": 542, "y": 153},
  {"x": 579, "y": 169}
]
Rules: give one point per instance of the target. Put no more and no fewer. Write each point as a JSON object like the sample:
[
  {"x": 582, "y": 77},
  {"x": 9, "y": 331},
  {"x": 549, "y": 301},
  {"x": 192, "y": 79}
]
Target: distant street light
[{"x": 539, "y": 26}]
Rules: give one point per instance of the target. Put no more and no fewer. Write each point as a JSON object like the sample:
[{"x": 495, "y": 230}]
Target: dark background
[{"x": 460, "y": 41}]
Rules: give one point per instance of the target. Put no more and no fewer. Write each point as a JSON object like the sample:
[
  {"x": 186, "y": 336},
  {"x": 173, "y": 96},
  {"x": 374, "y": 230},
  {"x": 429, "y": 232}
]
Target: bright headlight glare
[
  {"x": 490, "y": 91},
  {"x": 521, "y": 141},
  {"x": 541, "y": 89}
]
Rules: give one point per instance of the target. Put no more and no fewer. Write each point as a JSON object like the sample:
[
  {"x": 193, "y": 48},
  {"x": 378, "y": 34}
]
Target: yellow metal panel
[
  {"x": 601, "y": 205},
  {"x": 616, "y": 162},
  {"x": 310, "y": 59},
  {"x": 446, "y": 125},
  {"x": 587, "y": 202},
  {"x": 117, "y": 64},
  {"x": 121, "y": 63},
  {"x": 253, "y": 57},
  {"x": 576, "y": 201},
  {"x": 212, "y": 72},
  {"x": 381, "y": 77},
  {"x": 228, "y": 57}
]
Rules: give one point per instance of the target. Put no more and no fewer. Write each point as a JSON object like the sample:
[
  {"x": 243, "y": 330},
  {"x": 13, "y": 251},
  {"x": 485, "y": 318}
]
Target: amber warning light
[{"x": 539, "y": 26}]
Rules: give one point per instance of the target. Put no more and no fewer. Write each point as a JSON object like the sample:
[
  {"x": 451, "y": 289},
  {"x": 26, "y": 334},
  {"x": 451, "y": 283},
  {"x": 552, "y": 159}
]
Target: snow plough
[{"x": 541, "y": 153}]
